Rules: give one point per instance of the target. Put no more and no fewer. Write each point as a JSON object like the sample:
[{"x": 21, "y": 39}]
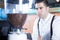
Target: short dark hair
[{"x": 44, "y": 1}]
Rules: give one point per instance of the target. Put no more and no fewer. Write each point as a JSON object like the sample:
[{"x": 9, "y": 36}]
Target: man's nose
[{"x": 39, "y": 10}]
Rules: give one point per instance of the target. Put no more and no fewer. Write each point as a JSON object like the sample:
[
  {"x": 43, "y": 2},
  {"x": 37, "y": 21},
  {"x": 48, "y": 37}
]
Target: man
[{"x": 42, "y": 25}]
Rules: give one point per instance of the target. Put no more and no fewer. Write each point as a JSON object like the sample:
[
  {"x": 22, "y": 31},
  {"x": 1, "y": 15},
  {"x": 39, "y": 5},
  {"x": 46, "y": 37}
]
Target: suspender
[
  {"x": 51, "y": 30},
  {"x": 38, "y": 27}
]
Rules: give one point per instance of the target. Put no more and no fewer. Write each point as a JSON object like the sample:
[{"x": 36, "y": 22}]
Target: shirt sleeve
[
  {"x": 56, "y": 29},
  {"x": 35, "y": 31}
]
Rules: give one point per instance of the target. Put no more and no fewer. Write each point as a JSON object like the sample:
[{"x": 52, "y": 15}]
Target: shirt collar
[{"x": 47, "y": 18}]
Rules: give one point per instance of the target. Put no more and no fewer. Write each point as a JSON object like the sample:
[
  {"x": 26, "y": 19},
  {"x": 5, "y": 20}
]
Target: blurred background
[
  {"x": 16, "y": 6},
  {"x": 23, "y": 7}
]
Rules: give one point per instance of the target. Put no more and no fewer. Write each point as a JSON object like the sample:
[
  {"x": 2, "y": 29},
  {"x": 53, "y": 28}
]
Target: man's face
[{"x": 42, "y": 9}]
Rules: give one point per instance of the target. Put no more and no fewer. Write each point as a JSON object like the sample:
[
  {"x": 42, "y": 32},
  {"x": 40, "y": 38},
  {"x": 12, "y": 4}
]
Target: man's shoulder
[
  {"x": 36, "y": 20},
  {"x": 57, "y": 19}
]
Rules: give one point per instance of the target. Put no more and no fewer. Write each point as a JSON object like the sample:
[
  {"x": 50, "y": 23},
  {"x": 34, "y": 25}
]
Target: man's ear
[{"x": 48, "y": 8}]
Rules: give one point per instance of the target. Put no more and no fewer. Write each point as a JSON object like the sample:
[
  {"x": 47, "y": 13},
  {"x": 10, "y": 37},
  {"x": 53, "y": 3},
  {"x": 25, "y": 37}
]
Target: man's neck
[{"x": 44, "y": 17}]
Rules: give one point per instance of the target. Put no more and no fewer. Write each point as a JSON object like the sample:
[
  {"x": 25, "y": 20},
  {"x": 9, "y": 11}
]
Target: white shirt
[{"x": 44, "y": 28}]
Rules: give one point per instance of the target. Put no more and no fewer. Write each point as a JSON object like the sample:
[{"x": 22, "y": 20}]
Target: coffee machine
[{"x": 16, "y": 22}]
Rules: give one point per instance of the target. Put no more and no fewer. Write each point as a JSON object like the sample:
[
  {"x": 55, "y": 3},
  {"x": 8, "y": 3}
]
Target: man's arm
[
  {"x": 35, "y": 31},
  {"x": 56, "y": 29}
]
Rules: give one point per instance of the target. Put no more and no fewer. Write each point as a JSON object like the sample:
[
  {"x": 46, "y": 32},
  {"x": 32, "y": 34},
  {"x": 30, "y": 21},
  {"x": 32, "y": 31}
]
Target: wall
[
  {"x": 29, "y": 23},
  {"x": 56, "y": 13}
]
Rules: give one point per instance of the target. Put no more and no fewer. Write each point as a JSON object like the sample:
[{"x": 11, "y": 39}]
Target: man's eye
[{"x": 40, "y": 7}]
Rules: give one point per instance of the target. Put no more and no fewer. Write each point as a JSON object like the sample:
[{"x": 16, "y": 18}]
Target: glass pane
[{"x": 24, "y": 6}]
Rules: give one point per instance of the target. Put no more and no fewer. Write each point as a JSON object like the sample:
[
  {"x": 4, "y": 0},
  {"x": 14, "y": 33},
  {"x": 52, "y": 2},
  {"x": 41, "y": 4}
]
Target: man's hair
[{"x": 44, "y": 1}]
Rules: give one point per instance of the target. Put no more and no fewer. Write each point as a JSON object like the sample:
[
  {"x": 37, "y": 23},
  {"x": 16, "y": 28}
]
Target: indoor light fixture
[{"x": 57, "y": 0}]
